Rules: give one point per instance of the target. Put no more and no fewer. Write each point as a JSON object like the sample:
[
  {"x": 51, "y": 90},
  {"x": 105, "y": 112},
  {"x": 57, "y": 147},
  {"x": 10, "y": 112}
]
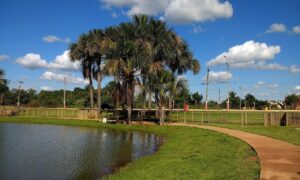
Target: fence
[
  {"x": 195, "y": 116},
  {"x": 242, "y": 117},
  {"x": 68, "y": 113}
]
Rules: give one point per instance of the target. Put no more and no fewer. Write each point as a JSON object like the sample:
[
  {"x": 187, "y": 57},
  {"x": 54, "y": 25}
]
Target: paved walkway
[{"x": 278, "y": 159}]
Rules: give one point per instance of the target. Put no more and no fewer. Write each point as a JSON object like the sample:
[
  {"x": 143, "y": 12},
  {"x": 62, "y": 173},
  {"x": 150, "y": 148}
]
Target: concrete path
[{"x": 278, "y": 159}]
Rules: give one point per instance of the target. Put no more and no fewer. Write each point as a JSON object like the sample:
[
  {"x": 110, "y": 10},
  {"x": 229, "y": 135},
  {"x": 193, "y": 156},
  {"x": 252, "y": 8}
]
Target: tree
[
  {"x": 291, "y": 100},
  {"x": 161, "y": 88},
  {"x": 234, "y": 100},
  {"x": 250, "y": 100},
  {"x": 83, "y": 51},
  {"x": 127, "y": 59},
  {"x": 175, "y": 86},
  {"x": 197, "y": 98}
]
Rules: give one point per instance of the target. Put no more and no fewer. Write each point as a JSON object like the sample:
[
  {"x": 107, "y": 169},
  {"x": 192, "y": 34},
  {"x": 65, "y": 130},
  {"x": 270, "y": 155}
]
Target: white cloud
[
  {"x": 297, "y": 88},
  {"x": 196, "y": 29},
  {"x": 250, "y": 54},
  {"x": 32, "y": 61},
  {"x": 52, "y": 39},
  {"x": 3, "y": 57},
  {"x": 273, "y": 86},
  {"x": 114, "y": 15},
  {"x": 183, "y": 11},
  {"x": 296, "y": 29},
  {"x": 272, "y": 66},
  {"x": 176, "y": 11},
  {"x": 221, "y": 76},
  {"x": 294, "y": 69},
  {"x": 262, "y": 84},
  {"x": 259, "y": 84},
  {"x": 276, "y": 28},
  {"x": 46, "y": 88},
  {"x": 63, "y": 62},
  {"x": 48, "y": 75}
]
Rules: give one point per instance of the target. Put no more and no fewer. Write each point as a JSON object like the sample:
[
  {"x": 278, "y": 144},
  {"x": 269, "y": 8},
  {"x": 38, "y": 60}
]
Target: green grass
[
  {"x": 288, "y": 134},
  {"x": 188, "y": 153}
]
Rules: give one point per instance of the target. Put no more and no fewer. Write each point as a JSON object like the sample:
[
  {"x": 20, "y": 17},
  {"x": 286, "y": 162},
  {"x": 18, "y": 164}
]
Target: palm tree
[
  {"x": 160, "y": 88},
  {"x": 127, "y": 59},
  {"x": 1, "y": 76},
  {"x": 80, "y": 51},
  {"x": 175, "y": 86}
]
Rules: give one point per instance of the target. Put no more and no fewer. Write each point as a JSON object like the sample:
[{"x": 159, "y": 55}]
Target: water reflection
[{"x": 61, "y": 152}]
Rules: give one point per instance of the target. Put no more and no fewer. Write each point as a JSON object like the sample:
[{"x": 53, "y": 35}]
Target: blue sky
[{"x": 260, "y": 39}]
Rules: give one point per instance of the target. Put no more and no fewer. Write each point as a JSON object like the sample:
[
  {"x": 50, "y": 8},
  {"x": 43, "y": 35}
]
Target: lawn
[{"x": 188, "y": 153}]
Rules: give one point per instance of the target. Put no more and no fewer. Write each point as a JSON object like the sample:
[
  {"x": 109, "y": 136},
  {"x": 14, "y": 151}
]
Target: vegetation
[{"x": 188, "y": 153}]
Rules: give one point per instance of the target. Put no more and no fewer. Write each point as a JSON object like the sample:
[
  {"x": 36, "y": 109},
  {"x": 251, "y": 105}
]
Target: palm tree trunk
[
  {"x": 144, "y": 103},
  {"x": 129, "y": 102},
  {"x": 91, "y": 93},
  {"x": 149, "y": 101},
  {"x": 161, "y": 111},
  {"x": 170, "y": 103},
  {"x": 99, "y": 79}
]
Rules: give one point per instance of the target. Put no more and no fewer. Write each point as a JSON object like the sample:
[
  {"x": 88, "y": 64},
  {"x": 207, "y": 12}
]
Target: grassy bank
[
  {"x": 288, "y": 134},
  {"x": 188, "y": 153}
]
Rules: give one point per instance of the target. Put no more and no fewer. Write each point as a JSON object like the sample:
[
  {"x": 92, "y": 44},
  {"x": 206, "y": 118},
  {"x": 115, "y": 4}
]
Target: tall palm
[
  {"x": 160, "y": 88},
  {"x": 80, "y": 51},
  {"x": 127, "y": 59}
]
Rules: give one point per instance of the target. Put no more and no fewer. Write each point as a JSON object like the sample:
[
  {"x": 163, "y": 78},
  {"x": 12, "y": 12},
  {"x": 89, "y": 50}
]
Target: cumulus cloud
[
  {"x": 176, "y": 11},
  {"x": 52, "y": 39},
  {"x": 32, "y": 61},
  {"x": 297, "y": 88},
  {"x": 296, "y": 29},
  {"x": 294, "y": 69},
  {"x": 48, "y": 75},
  {"x": 3, "y": 57},
  {"x": 46, "y": 88},
  {"x": 250, "y": 54},
  {"x": 221, "y": 76},
  {"x": 276, "y": 28},
  {"x": 63, "y": 62}
]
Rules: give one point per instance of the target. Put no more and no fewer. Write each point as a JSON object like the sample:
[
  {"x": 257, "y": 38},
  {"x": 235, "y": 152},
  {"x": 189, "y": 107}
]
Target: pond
[{"x": 29, "y": 151}]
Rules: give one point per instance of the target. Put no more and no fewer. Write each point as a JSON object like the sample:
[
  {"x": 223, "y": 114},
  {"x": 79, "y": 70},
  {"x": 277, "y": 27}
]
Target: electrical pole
[
  {"x": 18, "y": 103},
  {"x": 206, "y": 93},
  {"x": 65, "y": 83},
  {"x": 219, "y": 98}
]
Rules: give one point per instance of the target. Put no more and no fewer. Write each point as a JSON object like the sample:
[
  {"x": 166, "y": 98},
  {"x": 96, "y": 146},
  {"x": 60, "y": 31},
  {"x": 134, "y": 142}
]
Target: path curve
[{"x": 278, "y": 159}]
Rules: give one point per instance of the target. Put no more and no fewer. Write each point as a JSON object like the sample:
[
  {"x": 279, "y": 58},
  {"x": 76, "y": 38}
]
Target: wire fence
[
  {"x": 242, "y": 117},
  {"x": 194, "y": 116}
]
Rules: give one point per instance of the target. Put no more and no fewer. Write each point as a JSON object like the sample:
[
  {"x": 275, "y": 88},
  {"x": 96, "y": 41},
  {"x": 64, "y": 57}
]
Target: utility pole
[
  {"x": 219, "y": 99},
  {"x": 18, "y": 103},
  {"x": 227, "y": 66},
  {"x": 65, "y": 83},
  {"x": 206, "y": 93},
  {"x": 240, "y": 97}
]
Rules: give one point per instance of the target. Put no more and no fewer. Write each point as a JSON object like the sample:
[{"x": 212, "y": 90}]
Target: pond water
[{"x": 29, "y": 151}]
